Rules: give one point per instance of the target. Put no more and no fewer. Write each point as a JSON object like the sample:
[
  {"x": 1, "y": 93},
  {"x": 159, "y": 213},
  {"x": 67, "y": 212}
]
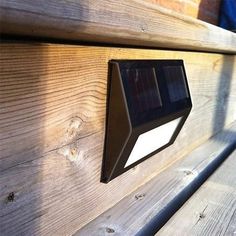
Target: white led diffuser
[{"x": 152, "y": 140}]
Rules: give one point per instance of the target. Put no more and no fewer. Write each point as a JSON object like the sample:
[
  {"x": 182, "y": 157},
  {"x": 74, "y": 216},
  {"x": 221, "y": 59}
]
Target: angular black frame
[{"x": 124, "y": 126}]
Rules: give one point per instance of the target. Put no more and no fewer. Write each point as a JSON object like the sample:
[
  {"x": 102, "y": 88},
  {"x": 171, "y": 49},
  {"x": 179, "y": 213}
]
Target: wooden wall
[
  {"x": 206, "y": 10},
  {"x": 52, "y": 112}
]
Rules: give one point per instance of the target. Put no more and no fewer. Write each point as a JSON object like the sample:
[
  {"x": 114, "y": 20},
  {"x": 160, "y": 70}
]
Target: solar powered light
[{"x": 148, "y": 103}]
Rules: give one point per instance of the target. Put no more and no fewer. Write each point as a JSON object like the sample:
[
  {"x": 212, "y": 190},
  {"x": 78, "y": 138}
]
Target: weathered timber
[{"x": 132, "y": 22}]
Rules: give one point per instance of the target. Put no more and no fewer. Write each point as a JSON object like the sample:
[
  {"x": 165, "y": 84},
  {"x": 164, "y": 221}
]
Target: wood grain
[
  {"x": 143, "y": 210},
  {"x": 132, "y": 22},
  {"x": 52, "y": 111},
  {"x": 212, "y": 209}
]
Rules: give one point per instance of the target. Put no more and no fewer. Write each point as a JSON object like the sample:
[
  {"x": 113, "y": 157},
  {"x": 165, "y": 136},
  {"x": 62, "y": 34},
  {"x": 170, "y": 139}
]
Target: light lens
[{"x": 152, "y": 140}]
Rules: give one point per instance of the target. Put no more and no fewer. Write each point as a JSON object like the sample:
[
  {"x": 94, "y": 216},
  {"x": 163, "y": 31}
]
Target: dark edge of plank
[
  {"x": 148, "y": 208},
  {"x": 12, "y": 39},
  {"x": 132, "y": 22}
]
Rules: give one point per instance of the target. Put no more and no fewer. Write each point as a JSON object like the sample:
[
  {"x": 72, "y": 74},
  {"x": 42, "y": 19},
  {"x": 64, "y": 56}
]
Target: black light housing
[{"x": 148, "y": 102}]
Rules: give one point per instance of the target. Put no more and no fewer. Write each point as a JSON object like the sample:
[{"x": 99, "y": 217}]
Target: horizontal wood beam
[
  {"x": 148, "y": 208},
  {"x": 132, "y": 22}
]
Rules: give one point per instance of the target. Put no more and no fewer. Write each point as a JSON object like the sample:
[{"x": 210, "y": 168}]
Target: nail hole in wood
[
  {"x": 188, "y": 172},
  {"x": 11, "y": 197},
  {"x": 140, "y": 196},
  {"x": 110, "y": 230}
]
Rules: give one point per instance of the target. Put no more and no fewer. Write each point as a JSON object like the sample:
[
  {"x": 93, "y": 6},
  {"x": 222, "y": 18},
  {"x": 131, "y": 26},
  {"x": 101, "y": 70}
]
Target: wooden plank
[
  {"x": 52, "y": 110},
  {"x": 147, "y": 208},
  {"x": 212, "y": 209},
  {"x": 132, "y": 22}
]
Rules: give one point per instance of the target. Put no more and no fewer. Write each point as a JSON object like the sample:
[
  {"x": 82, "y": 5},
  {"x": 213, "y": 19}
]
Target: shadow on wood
[
  {"x": 22, "y": 105},
  {"x": 224, "y": 95}
]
